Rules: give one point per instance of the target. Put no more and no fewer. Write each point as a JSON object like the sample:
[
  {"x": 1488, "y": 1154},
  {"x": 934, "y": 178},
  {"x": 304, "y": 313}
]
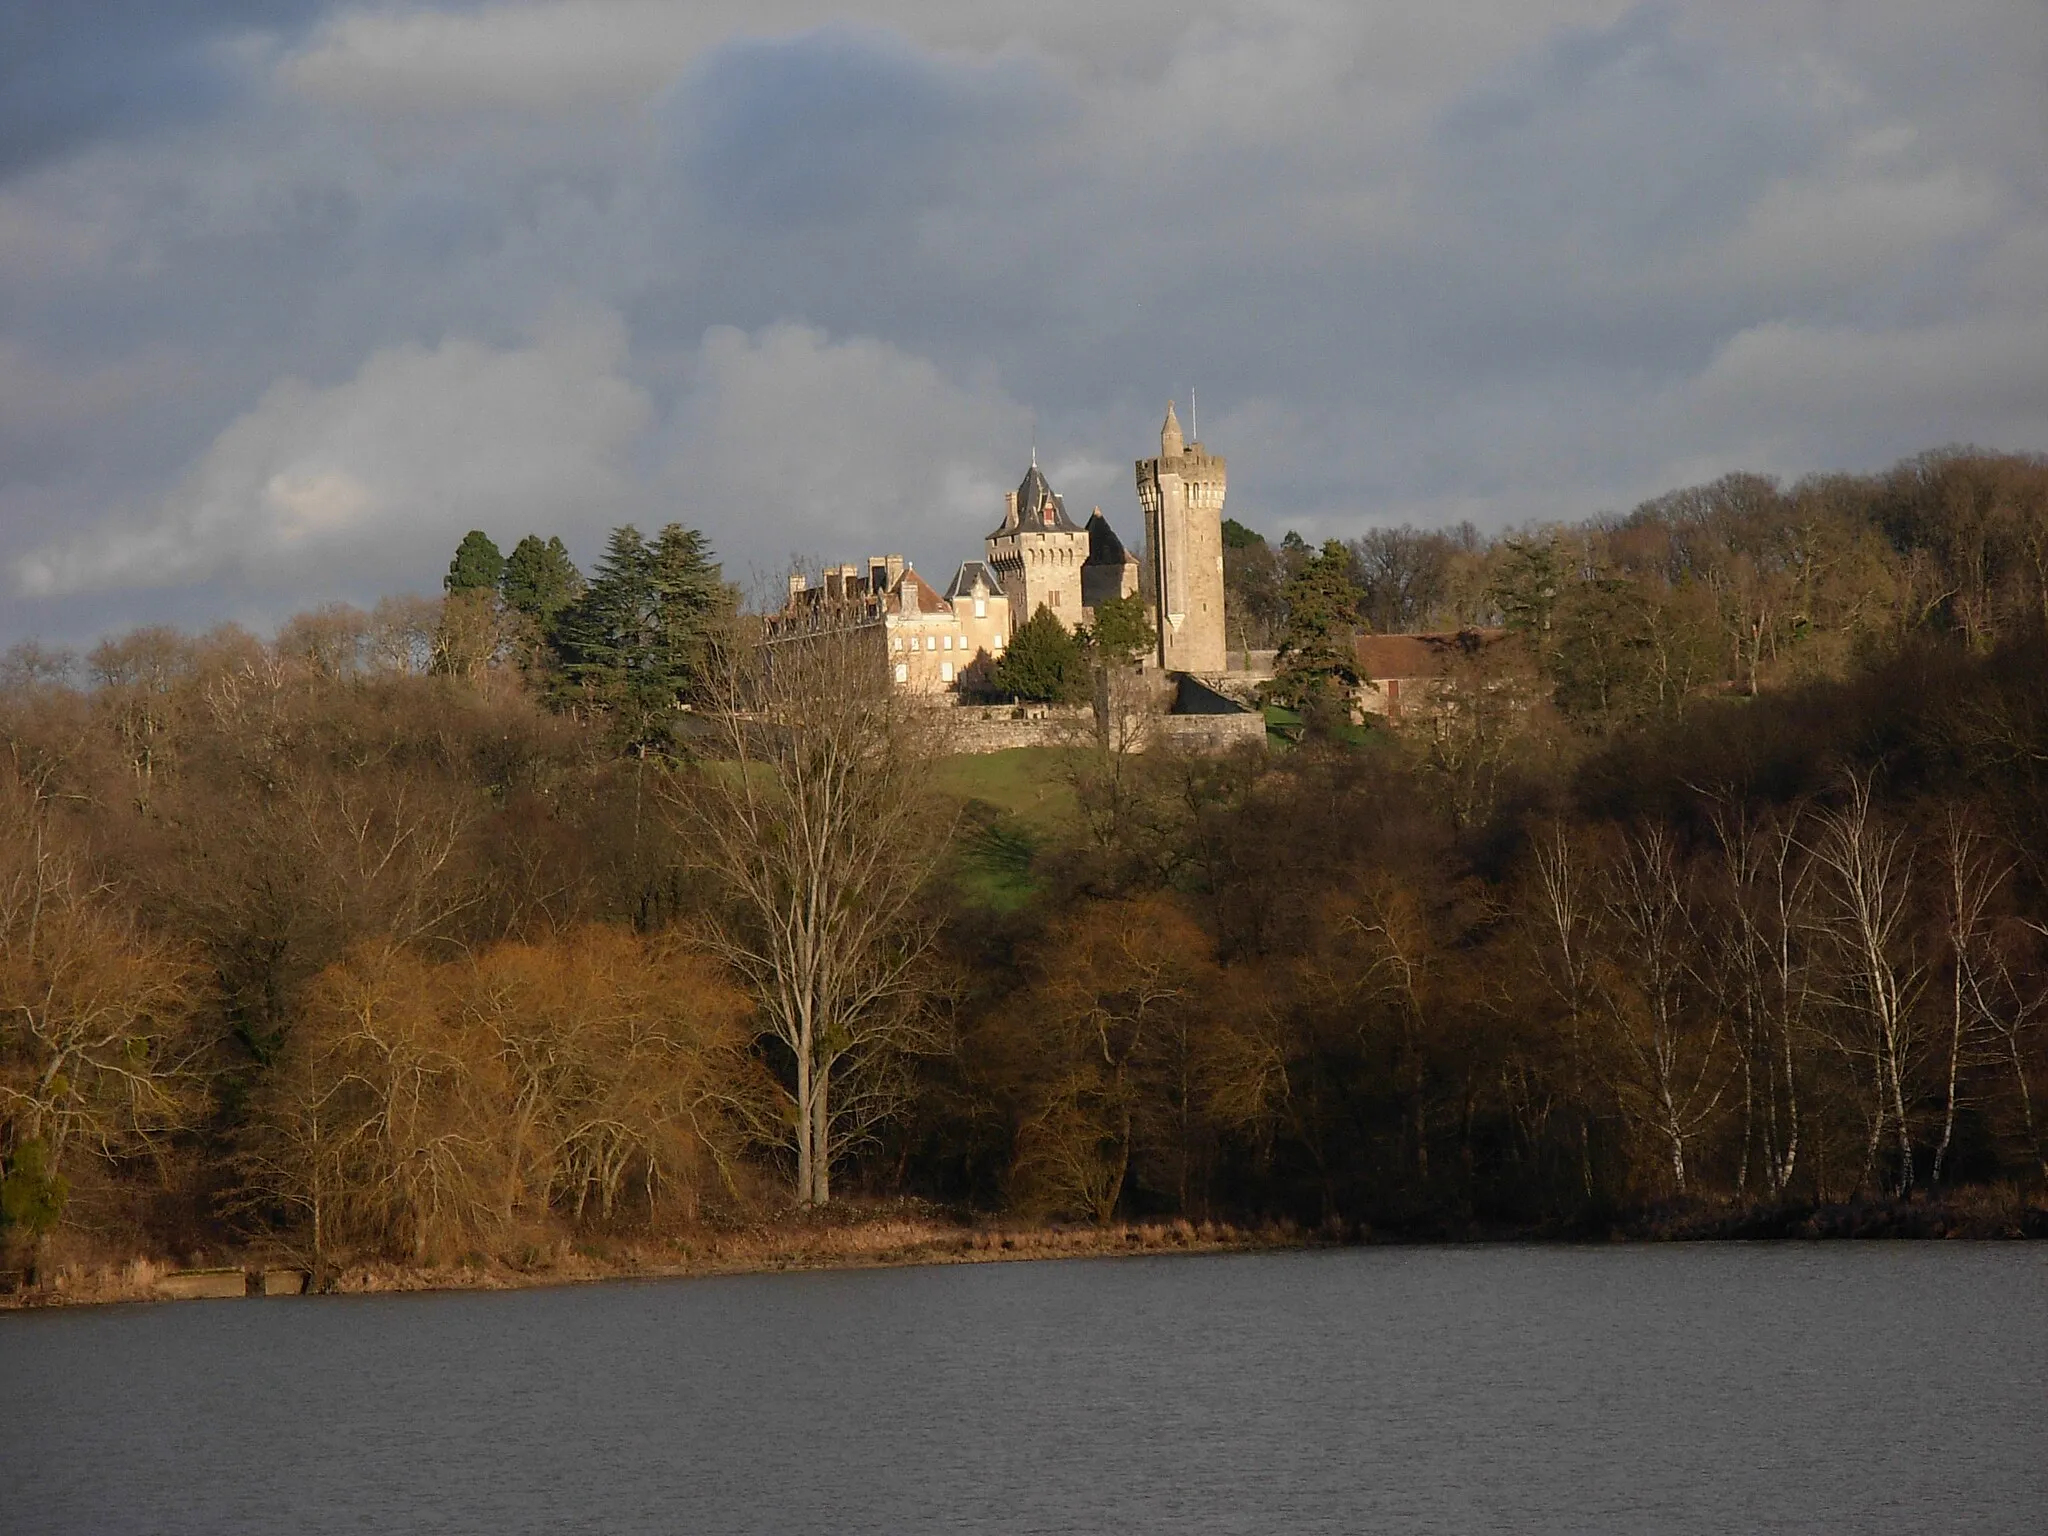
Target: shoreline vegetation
[
  {"x": 888, "y": 1238},
  {"x": 1701, "y": 891}
]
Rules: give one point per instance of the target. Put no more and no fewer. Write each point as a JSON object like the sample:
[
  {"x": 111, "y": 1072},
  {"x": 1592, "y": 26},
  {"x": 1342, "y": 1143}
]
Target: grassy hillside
[{"x": 1013, "y": 803}]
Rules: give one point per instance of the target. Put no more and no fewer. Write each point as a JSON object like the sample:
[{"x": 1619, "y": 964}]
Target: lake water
[{"x": 1836, "y": 1387}]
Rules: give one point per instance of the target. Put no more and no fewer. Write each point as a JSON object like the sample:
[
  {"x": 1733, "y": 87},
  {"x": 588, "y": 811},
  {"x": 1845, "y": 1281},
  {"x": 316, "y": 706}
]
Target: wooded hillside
[{"x": 545, "y": 906}]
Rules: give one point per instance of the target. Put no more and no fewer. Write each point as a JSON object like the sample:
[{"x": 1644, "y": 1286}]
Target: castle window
[
  {"x": 949, "y": 642},
  {"x": 981, "y": 607},
  {"x": 896, "y": 644},
  {"x": 945, "y": 671},
  {"x": 902, "y": 671}
]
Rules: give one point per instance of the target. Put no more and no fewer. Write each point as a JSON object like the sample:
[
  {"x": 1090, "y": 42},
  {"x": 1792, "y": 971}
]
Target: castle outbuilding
[{"x": 1182, "y": 493}]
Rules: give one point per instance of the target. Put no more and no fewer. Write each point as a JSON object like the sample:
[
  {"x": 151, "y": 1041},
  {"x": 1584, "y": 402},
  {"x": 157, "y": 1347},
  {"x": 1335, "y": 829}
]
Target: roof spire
[{"x": 1171, "y": 443}]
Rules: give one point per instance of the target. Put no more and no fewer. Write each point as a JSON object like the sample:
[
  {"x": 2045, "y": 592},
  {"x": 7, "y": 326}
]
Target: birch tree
[
  {"x": 1763, "y": 980},
  {"x": 1671, "y": 1076},
  {"x": 1971, "y": 879},
  {"x": 1865, "y": 869},
  {"x": 1562, "y": 934}
]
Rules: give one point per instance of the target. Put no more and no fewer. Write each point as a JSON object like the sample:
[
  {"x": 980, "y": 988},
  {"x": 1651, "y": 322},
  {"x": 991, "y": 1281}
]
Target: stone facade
[
  {"x": 972, "y": 729},
  {"x": 926, "y": 638},
  {"x": 1182, "y": 493}
]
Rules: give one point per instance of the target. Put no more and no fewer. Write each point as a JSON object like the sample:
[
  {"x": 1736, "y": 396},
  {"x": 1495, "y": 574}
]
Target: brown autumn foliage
[
  {"x": 428, "y": 1108},
  {"x": 1722, "y": 881}
]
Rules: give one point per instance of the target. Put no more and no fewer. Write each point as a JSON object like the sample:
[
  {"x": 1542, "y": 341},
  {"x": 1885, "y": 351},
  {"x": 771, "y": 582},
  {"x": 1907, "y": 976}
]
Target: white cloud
[
  {"x": 383, "y": 471},
  {"x": 787, "y": 443}
]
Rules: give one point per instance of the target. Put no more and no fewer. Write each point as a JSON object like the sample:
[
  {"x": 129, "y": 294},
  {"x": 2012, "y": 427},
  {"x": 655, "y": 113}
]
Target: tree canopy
[
  {"x": 1317, "y": 662},
  {"x": 540, "y": 579},
  {"x": 1121, "y": 633},
  {"x": 1045, "y": 663},
  {"x": 477, "y": 566},
  {"x": 635, "y": 642}
]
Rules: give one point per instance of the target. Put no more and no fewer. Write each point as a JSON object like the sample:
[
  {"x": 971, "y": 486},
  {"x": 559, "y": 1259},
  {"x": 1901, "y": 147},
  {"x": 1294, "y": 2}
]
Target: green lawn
[
  {"x": 1028, "y": 783},
  {"x": 1012, "y": 804}
]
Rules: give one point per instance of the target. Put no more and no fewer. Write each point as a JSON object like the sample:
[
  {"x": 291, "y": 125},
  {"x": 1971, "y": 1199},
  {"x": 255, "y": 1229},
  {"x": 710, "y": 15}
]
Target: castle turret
[
  {"x": 1038, "y": 553},
  {"x": 1182, "y": 493}
]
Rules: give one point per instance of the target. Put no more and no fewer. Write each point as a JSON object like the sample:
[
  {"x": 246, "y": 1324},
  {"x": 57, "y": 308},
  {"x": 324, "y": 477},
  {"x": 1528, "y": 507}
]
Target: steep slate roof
[
  {"x": 963, "y": 581},
  {"x": 1407, "y": 656},
  {"x": 1104, "y": 547},
  {"x": 1033, "y": 497}
]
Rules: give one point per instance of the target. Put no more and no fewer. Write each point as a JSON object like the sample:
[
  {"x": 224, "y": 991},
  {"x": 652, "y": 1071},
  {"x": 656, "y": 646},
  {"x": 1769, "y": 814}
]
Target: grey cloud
[
  {"x": 1499, "y": 261},
  {"x": 797, "y": 132},
  {"x": 73, "y": 74}
]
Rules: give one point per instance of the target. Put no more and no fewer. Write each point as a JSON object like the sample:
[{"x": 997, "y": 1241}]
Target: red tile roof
[{"x": 1381, "y": 657}]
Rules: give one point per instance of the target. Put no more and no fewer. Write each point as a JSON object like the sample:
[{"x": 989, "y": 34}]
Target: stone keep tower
[
  {"x": 1182, "y": 494},
  {"x": 1038, "y": 553}
]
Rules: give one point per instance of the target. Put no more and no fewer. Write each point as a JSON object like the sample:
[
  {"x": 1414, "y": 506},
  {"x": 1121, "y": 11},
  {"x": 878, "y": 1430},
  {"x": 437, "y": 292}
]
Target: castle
[
  {"x": 1039, "y": 557},
  {"x": 1045, "y": 561}
]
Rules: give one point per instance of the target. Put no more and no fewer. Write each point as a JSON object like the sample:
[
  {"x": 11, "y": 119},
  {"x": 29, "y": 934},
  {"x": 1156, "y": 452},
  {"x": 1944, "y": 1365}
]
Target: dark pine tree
[
  {"x": 635, "y": 643},
  {"x": 1045, "y": 663},
  {"x": 540, "y": 579},
  {"x": 1318, "y": 664},
  {"x": 477, "y": 566},
  {"x": 1121, "y": 634}
]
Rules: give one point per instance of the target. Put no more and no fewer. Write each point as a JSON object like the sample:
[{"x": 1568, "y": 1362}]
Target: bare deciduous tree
[
  {"x": 1761, "y": 977},
  {"x": 99, "y": 1055},
  {"x": 817, "y": 822},
  {"x": 1877, "y": 976},
  {"x": 1672, "y": 1076},
  {"x": 1971, "y": 879},
  {"x": 1562, "y": 933}
]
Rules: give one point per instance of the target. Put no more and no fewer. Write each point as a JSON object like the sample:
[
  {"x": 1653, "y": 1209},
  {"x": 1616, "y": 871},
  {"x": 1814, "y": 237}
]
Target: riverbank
[
  {"x": 873, "y": 1243},
  {"x": 887, "y": 1237}
]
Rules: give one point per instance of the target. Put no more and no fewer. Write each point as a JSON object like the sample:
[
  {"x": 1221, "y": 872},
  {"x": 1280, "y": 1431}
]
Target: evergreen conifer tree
[
  {"x": 1044, "y": 664},
  {"x": 540, "y": 579},
  {"x": 1526, "y": 587},
  {"x": 1121, "y": 634},
  {"x": 477, "y": 566},
  {"x": 1318, "y": 666},
  {"x": 635, "y": 642},
  {"x": 689, "y": 601}
]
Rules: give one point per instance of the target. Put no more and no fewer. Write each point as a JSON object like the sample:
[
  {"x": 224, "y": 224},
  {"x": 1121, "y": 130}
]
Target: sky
[{"x": 293, "y": 295}]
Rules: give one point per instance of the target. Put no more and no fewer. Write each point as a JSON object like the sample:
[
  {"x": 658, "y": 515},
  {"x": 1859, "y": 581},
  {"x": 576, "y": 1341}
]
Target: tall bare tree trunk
[
  {"x": 816, "y": 824},
  {"x": 1869, "y": 874}
]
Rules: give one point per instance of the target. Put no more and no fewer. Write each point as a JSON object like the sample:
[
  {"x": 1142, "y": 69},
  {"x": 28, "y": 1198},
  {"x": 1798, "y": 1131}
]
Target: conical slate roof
[
  {"x": 1039, "y": 507},
  {"x": 1171, "y": 443}
]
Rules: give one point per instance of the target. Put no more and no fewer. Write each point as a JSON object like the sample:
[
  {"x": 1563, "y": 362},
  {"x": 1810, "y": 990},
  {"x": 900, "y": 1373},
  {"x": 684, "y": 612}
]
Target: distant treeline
[
  {"x": 542, "y": 906},
  {"x": 1739, "y": 585}
]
